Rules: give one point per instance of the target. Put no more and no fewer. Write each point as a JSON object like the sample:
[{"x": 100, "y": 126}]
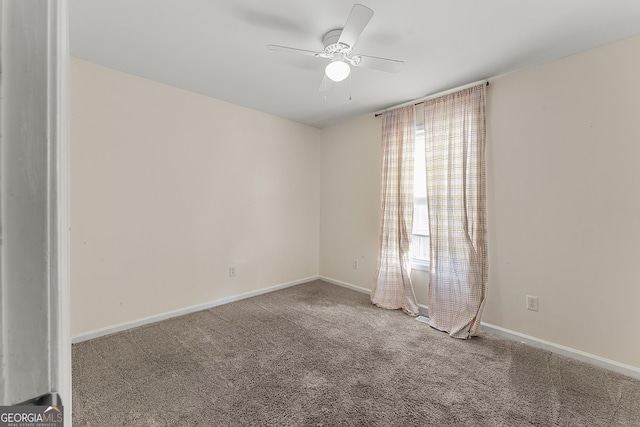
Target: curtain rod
[{"x": 422, "y": 100}]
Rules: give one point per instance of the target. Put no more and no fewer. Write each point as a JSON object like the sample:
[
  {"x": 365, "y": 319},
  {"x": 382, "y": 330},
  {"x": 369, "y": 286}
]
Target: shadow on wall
[{"x": 420, "y": 280}]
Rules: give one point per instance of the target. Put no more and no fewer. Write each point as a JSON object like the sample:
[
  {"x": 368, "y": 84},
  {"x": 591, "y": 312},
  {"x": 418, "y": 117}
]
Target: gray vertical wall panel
[{"x": 24, "y": 202}]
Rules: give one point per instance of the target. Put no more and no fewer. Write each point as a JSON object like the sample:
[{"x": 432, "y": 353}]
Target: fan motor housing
[{"x": 331, "y": 45}]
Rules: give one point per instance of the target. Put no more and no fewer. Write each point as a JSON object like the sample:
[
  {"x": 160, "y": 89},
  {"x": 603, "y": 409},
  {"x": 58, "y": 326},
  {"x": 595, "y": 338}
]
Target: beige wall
[
  {"x": 350, "y": 204},
  {"x": 563, "y": 201},
  {"x": 170, "y": 188},
  {"x": 350, "y": 195}
]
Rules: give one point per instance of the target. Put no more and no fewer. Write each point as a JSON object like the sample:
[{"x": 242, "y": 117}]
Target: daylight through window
[{"x": 420, "y": 234}]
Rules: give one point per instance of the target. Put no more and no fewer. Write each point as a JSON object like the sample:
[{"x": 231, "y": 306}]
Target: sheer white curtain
[
  {"x": 455, "y": 139},
  {"x": 393, "y": 288}
]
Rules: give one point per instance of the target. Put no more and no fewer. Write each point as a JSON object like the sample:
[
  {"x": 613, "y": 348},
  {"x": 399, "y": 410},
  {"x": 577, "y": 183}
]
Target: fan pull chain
[{"x": 324, "y": 84}]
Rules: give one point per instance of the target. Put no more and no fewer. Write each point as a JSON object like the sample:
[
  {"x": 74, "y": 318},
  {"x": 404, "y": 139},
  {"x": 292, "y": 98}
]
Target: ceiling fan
[{"x": 338, "y": 48}]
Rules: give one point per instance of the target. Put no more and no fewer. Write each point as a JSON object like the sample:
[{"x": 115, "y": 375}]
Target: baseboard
[
  {"x": 572, "y": 353},
  {"x": 422, "y": 309},
  {"x": 346, "y": 285},
  {"x": 589, "y": 358},
  {"x": 180, "y": 312},
  {"x": 592, "y": 359}
]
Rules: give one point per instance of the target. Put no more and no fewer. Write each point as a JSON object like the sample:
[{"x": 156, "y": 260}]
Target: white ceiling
[{"x": 218, "y": 47}]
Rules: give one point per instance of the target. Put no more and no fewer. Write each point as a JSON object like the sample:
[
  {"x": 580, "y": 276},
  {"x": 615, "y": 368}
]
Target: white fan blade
[
  {"x": 382, "y": 64},
  {"x": 285, "y": 49},
  {"x": 358, "y": 19},
  {"x": 325, "y": 84}
]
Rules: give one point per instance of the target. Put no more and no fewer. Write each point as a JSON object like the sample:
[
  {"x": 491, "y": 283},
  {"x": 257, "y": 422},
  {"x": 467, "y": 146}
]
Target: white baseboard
[
  {"x": 592, "y": 359},
  {"x": 182, "y": 311},
  {"x": 422, "y": 309},
  {"x": 346, "y": 285},
  {"x": 589, "y": 358}
]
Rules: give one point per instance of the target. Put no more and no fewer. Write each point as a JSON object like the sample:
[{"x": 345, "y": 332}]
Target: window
[{"x": 420, "y": 235}]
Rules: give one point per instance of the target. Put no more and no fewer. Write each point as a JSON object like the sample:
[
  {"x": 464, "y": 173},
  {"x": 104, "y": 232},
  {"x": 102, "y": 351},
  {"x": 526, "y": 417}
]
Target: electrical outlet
[
  {"x": 532, "y": 303},
  {"x": 232, "y": 272},
  {"x": 355, "y": 264}
]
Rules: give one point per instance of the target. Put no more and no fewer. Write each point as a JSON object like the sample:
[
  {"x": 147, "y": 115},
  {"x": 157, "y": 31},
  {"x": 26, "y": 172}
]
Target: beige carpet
[{"x": 317, "y": 354}]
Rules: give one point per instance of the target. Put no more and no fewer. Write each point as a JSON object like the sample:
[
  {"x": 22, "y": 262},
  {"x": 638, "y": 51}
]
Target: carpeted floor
[{"x": 318, "y": 354}]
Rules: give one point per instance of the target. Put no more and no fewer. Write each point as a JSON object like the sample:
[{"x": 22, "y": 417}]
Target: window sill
[{"x": 420, "y": 264}]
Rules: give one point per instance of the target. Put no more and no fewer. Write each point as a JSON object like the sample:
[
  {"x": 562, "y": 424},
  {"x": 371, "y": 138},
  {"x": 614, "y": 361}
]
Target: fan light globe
[{"x": 337, "y": 71}]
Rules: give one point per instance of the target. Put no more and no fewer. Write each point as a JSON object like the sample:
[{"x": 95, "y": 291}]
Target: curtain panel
[
  {"x": 455, "y": 138},
  {"x": 393, "y": 288}
]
